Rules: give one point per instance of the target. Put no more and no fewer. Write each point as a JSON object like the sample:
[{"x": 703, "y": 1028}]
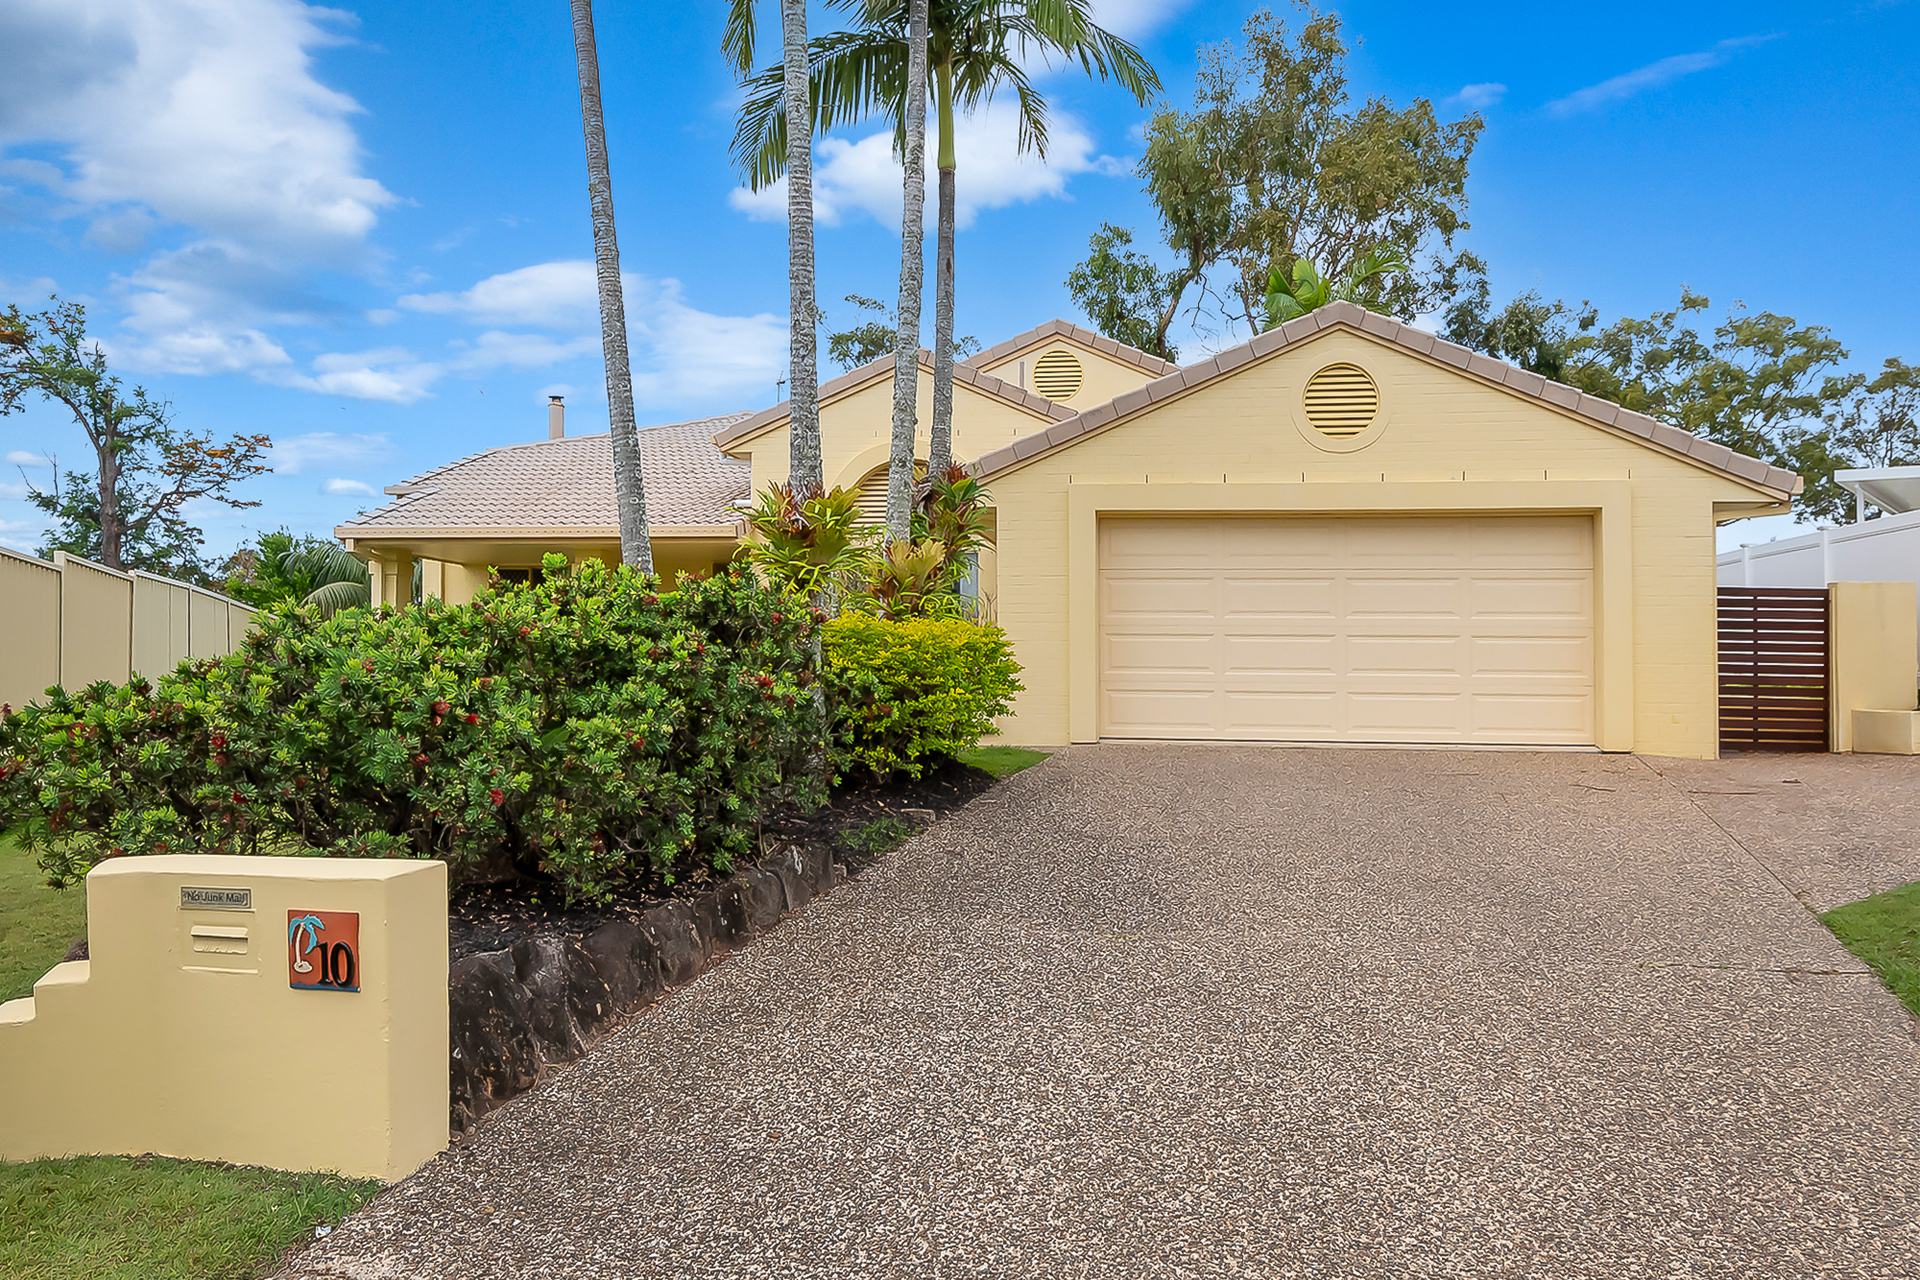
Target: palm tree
[
  {"x": 974, "y": 47},
  {"x": 913, "y": 264},
  {"x": 629, "y": 486},
  {"x": 330, "y": 576},
  {"x": 1304, "y": 290},
  {"x": 803, "y": 374}
]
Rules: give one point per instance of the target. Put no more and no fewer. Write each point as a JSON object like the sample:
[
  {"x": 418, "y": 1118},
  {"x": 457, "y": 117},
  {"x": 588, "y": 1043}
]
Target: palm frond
[
  {"x": 851, "y": 76},
  {"x": 325, "y": 563},
  {"x": 737, "y": 40},
  {"x": 336, "y": 596}
]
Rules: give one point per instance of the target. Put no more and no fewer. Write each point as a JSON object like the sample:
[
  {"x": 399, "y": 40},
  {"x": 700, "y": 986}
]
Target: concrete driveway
[{"x": 1217, "y": 1011}]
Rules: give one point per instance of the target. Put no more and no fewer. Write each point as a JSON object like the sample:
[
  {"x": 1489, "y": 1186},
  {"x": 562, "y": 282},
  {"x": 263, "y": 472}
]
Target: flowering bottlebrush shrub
[
  {"x": 590, "y": 727},
  {"x": 911, "y": 691}
]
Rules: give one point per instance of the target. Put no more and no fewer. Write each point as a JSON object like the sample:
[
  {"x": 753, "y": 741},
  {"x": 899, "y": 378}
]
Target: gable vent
[
  {"x": 1341, "y": 401},
  {"x": 870, "y": 495},
  {"x": 1057, "y": 375}
]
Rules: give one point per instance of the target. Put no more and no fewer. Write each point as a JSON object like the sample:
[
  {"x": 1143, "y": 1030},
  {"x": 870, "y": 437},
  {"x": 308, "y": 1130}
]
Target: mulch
[{"x": 491, "y": 917}]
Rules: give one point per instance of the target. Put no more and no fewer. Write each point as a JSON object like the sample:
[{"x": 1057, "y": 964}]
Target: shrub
[
  {"x": 589, "y": 728},
  {"x": 916, "y": 690}
]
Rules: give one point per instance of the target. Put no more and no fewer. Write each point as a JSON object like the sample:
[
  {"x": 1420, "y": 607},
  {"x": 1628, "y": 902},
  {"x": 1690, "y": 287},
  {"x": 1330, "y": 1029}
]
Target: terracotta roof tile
[{"x": 568, "y": 484}]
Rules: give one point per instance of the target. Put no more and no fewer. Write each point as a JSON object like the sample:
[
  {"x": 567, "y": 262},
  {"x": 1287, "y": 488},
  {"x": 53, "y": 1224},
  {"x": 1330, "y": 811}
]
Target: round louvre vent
[
  {"x": 1057, "y": 375},
  {"x": 1341, "y": 401}
]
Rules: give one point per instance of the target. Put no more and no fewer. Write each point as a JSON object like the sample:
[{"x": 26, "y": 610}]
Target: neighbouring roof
[
  {"x": 1602, "y": 413},
  {"x": 565, "y": 486},
  {"x": 1895, "y": 490},
  {"x": 854, "y": 379},
  {"x": 1085, "y": 337}
]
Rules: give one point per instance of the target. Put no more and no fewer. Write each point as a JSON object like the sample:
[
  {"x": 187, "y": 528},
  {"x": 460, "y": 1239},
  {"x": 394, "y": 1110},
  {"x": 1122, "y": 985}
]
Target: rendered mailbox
[{"x": 192, "y": 1031}]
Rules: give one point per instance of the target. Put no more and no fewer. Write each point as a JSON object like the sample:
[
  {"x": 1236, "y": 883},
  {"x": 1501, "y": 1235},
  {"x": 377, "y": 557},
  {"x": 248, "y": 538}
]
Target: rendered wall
[
  {"x": 182, "y": 1036},
  {"x": 1440, "y": 428},
  {"x": 1871, "y": 658}
]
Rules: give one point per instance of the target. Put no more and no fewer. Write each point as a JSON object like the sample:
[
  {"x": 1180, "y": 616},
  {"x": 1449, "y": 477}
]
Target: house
[{"x": 1345, "y": 530}]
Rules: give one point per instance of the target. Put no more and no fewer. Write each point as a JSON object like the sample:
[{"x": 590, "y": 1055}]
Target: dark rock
[
  {"x": 716, "y": 937},
  {"x": 766, "y": 898},
  {"x": 494, "y": 1056},
  {"x": 625, "y": 959},
  {"x": 78, "y": 951},
  {"x": 562, "y": 990},
  {"x": 736, "y": 911},
  {"x": 670, "y": 928},
  {"x": 793, "y": 887}
]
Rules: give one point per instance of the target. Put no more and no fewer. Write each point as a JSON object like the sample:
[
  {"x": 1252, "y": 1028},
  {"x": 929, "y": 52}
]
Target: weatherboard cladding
[
  {"x": 568, "y": 484},
  {"x": 1604, "y": 413}
]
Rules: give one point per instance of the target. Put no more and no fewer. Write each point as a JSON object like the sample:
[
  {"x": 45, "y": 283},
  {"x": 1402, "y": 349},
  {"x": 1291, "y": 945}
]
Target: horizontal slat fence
[{"x": 1774, "y": 676}]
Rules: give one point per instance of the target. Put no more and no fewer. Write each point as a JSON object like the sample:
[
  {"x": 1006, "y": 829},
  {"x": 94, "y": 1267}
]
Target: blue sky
[{"x": 363, "y": 230}]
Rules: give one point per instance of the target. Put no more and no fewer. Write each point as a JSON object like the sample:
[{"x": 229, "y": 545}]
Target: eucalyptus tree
[
  {"x": 974, "y": 49},
  {"x": 629, "y": 485},
  {"x": 805, "y": 473}
]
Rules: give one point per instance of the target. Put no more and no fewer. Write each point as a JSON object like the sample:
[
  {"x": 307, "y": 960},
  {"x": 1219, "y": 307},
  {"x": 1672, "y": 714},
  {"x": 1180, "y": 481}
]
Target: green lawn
[
  {"x": 1001, "y": 762},
  {"x": 37, "y": 924},
  {"x": 149, "y": 1218},
  {"x": 1884, "y": 930}
]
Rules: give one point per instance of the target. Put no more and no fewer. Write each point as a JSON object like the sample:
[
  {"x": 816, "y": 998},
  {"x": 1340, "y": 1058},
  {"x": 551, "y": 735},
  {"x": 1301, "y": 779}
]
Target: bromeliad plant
[
  {"x": 806, "y": 544},
  {"x": 589, "y": 728}
]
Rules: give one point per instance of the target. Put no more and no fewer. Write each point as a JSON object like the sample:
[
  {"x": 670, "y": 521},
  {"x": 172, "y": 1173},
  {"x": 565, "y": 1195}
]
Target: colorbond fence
[{"x": 69, "y": 622}]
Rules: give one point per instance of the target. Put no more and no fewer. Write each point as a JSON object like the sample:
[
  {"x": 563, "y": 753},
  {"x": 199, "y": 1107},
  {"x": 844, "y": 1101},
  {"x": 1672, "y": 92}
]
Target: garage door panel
[
  {"x": 1148, "y": 652},
  {"x": 1406, "y": 597},
  {"x": 1165, "y": 713},
  {"x": 1244, "y": 655},
  {"x": 1302, "y": 714},
  {"x": 1559, "y": 596},
  {"x": 1154, "y": 597},
  {"x": 1411, "y": 629},
  {"x": 1278, "y": 596},
  {"x": 1569, "y": 657}
]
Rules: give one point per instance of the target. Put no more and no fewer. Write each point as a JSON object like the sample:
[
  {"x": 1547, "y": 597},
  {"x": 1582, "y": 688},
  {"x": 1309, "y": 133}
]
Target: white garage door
[{"x": 1348, "y": 629}]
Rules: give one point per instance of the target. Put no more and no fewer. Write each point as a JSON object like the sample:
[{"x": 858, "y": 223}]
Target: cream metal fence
[{"x": 69, "y": 622}]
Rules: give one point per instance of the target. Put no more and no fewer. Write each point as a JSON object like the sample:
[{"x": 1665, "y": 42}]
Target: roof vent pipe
[{"x": 556, "y": 418}]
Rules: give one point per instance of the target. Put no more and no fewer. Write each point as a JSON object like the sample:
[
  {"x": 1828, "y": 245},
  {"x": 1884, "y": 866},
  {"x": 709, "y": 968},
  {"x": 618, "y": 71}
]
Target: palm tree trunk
[
  {"x": 913, "y": 251},
  {"x": 940, "y": 445},
  {"x": 629, "y": 487},
  {"x": 803, "y": 387}
]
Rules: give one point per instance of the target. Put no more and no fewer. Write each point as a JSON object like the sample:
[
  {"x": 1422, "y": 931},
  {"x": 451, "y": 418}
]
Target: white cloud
[
  {"x": 549, "y": 295},
  {"x": 24, "y": 458},
  {"x": 680, "y": 354},
  {"x": 392, "y": 374},
  {"x": 205, "y": 112},
  {"x": 853, "y": 178},
  {"x": 1479, "y": 97},
  {"x": 356, "y": 488},
  {"x": 13, "y": 491},
  {"x": 1135, "y": 18},
  {"x": 327, "y": 449},
  {"x": 1651, "y": 76}
]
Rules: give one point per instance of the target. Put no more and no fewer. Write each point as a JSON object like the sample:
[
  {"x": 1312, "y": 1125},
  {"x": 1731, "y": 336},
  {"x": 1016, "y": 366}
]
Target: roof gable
[
  {"x": 1603, "y": 414},
  {"x": 1066, "y": 330},
  {"x": 854, "y": 380}
]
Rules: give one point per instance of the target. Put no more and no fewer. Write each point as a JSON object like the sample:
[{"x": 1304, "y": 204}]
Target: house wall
[
  {"x": 1102, "y": 380},
  {"x": 1444, "y": 442},
  {"x": 1882, "y": 550},
  {"x": 458, "y": 582},
  {"x": 856, "y": 432}
]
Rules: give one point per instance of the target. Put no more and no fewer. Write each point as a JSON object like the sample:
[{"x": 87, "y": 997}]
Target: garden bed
[{"x": 858, "y": 824}]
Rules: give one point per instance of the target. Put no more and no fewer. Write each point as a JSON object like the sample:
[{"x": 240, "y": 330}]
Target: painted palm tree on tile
[
  {"x": 629, "y": 486},
  {"x": 975, "y": 48},
  {"x": 803, "y": 376}
]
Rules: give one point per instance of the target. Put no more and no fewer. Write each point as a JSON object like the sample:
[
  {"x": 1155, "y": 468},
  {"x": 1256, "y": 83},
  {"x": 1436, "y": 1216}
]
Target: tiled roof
[
  {"x": 560, "y": 485},
  {"x": 1603, "y": 413},
  {"x": 854, "y": 379},
  {"x": 1085, "y": 337}
]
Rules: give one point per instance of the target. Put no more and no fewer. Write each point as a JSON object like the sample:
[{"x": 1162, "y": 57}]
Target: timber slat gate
[{"x": 1773, "y": 669}]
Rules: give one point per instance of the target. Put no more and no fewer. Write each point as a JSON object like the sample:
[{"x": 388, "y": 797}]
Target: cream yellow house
[{"x": 1345, "y": 530}]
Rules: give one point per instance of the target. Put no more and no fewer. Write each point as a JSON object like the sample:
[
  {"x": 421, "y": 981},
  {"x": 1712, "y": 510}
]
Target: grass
[
  {"x": 1001, "y": 762},
  {"x": 101, "y": 1217},
  {"x": 1884, "y": 931},
  {"x": 37, "y": 924}
]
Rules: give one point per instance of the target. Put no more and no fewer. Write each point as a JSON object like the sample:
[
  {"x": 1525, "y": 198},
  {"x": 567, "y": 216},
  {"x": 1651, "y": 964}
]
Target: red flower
[
  {"x": 420, "y": 759},
  {"x": 441, "y": 708},
  {"x": 366, "y": 664},
  {"x": 472, "y": 719},
  {"x": 496, "y": 797},
  {"x": 218, "y": 741}
]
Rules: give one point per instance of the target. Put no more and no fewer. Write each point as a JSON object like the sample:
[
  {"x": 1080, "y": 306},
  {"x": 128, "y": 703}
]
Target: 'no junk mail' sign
[{"x": 323, "y": 950}]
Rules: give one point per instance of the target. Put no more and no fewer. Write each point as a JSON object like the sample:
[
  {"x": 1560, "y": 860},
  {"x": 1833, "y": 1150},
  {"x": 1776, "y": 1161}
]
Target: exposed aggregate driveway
[{"x": 1223, "y": 1011}]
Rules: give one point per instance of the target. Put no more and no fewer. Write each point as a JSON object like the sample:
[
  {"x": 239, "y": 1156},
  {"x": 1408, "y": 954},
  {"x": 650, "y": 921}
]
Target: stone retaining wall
[{"x": 544, "y": 1001}]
